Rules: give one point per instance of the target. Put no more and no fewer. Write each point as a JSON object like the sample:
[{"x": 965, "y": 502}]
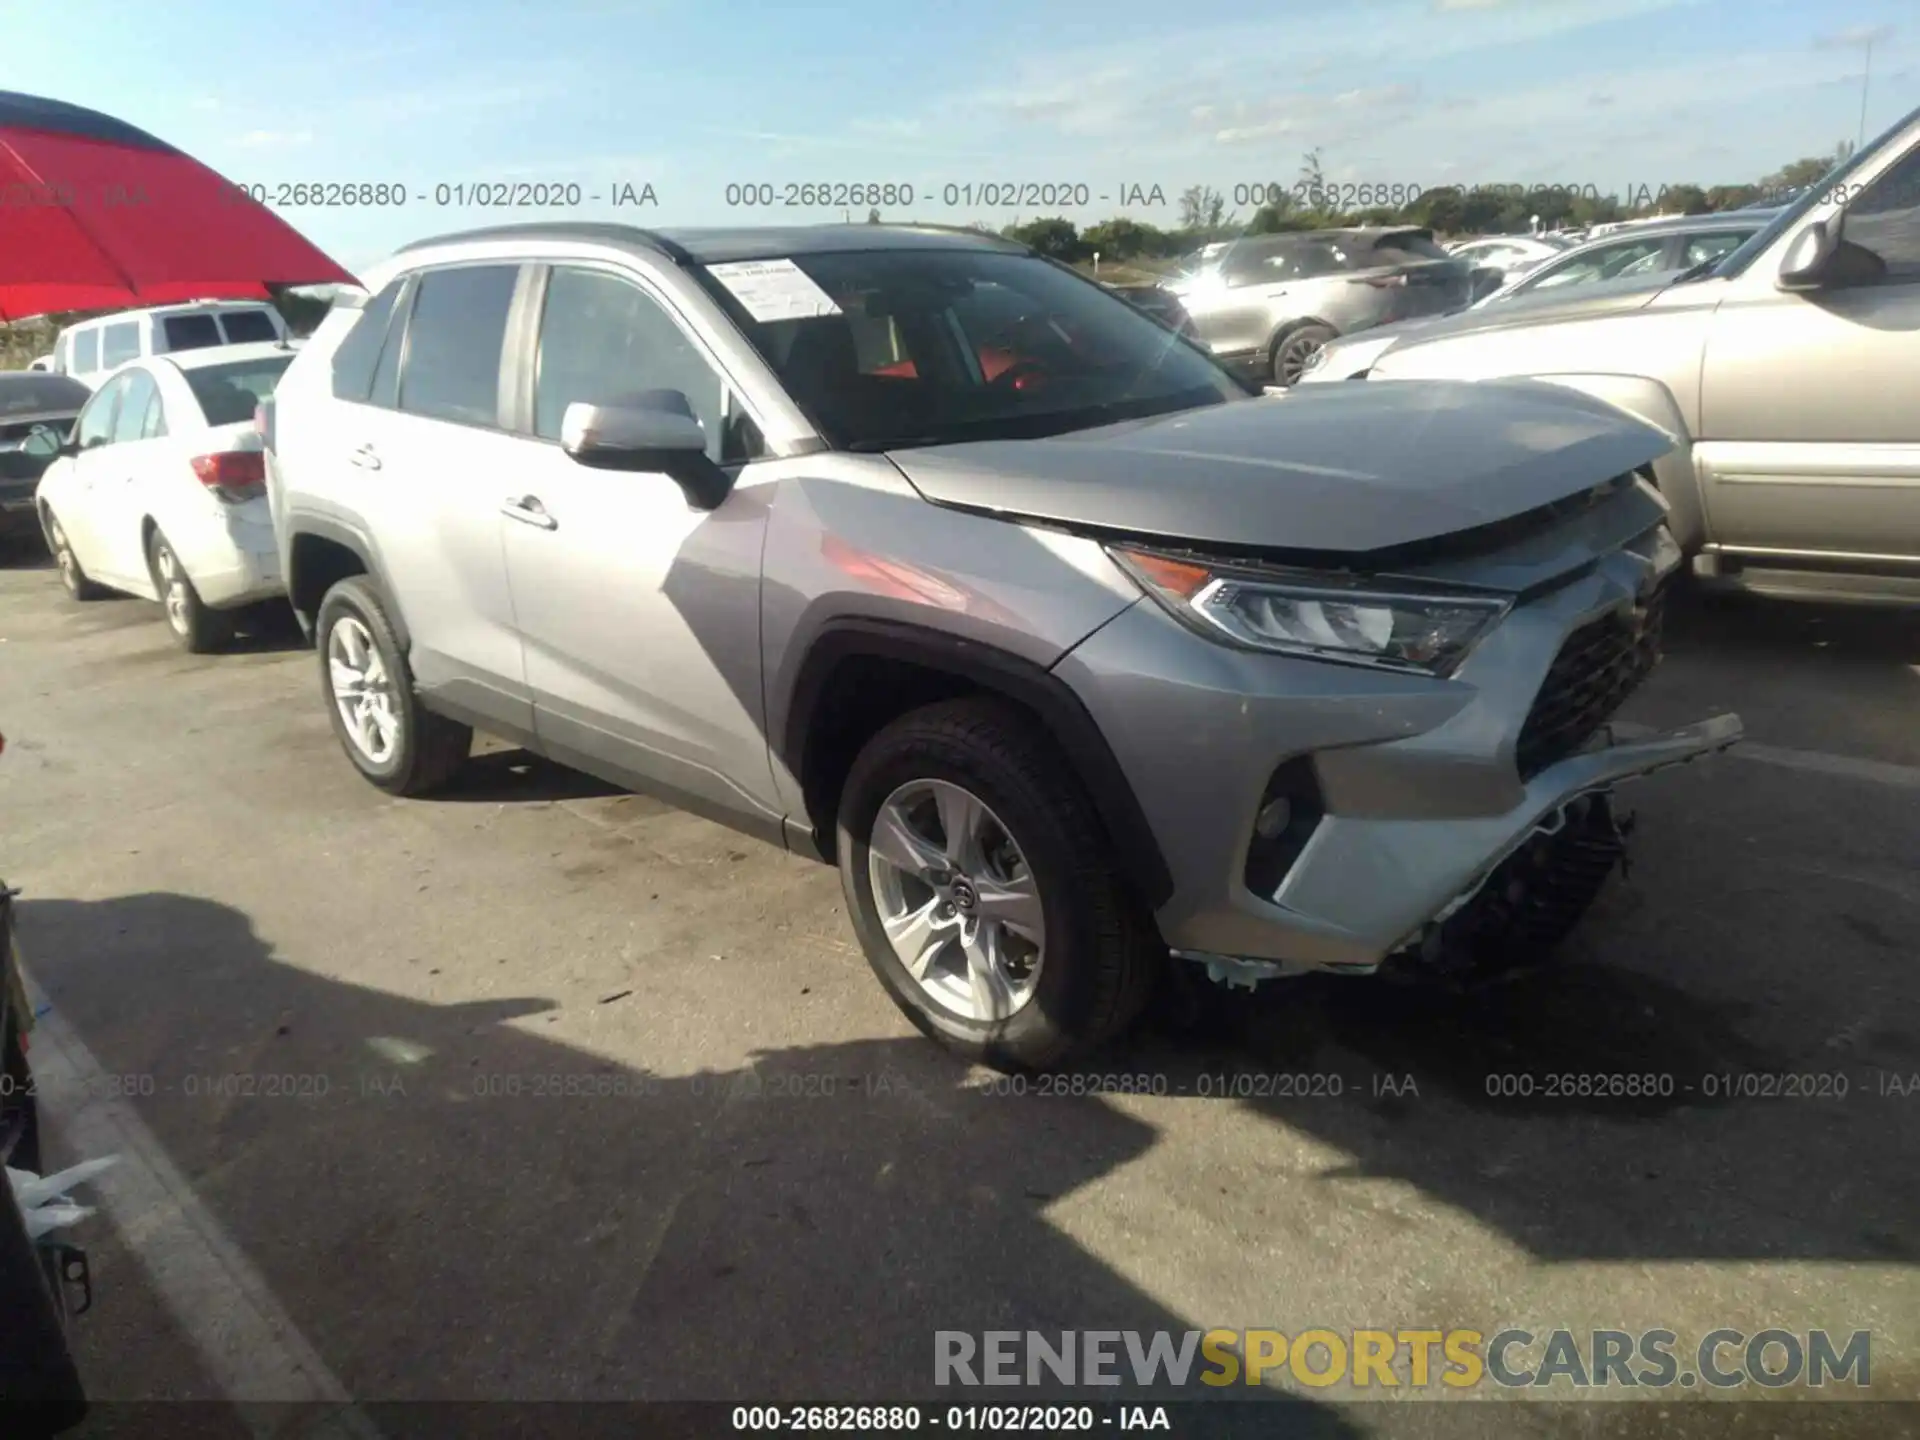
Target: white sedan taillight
[{"x": 233, "y": 475}]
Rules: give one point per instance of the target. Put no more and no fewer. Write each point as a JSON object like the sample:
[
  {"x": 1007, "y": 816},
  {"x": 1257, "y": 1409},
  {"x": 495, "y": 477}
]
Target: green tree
[
  {"x": 1118, "y": 239},
  {"x": 1054, "y": 237}
]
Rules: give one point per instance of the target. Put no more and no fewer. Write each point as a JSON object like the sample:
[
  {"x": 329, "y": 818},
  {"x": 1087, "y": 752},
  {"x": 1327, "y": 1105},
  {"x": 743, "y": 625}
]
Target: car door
[
  {"x": 123, "y": 476},
  {"x": 76, "y": 497},
  {"x": 1810, "y": 401},
  {"x": 431, "y": 460},
  {"x": 639, "y": 613},
  {"x": 1234, "y": 306}
]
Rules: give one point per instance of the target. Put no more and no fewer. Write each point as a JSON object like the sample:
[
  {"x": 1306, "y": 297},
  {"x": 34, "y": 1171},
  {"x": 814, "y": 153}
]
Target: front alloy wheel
[
  {"x": 1290, "y": 357},
  {"x": 984, "y": 889},
  {"x": 71, "y": 575},
  {"x": 957, "y": 899}
]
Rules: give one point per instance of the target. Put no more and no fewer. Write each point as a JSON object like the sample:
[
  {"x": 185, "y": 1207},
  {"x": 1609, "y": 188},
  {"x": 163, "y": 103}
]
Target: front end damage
[
  {"x": 1527, "y": 900},
  {"x": 1498, "y": 893}
]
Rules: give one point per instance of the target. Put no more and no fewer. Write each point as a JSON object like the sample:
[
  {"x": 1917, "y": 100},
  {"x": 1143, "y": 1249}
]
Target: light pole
[{"x": 1866, "y": 74}]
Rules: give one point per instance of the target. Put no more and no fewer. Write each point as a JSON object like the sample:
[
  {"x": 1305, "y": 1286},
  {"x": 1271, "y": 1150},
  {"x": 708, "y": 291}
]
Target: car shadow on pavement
[
  {"x": 268, "y": 628},
  {"x": 515, "y": 776},
  {"x": 1589, "y": 1110},
  {"x": 1788, "y": 661},
  {"x": 28, "y": 552},
  {"x": 463, "y": 1207}
]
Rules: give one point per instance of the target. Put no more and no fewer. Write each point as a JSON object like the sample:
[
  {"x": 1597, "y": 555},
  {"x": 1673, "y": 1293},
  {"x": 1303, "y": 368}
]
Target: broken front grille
[{"x": 1599, "y": 666}]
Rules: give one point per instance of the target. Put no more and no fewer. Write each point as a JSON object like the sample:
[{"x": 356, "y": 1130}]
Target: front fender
[{"x": 1674, "y": 472}]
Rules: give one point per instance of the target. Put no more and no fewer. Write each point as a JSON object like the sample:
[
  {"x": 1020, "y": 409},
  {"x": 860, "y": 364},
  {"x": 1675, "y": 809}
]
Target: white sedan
[{"x": 161, "y": 490}]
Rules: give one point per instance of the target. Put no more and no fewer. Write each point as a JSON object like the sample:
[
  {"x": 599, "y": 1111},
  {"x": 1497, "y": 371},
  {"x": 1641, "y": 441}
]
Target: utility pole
[{"x": 1866, "y": 74}]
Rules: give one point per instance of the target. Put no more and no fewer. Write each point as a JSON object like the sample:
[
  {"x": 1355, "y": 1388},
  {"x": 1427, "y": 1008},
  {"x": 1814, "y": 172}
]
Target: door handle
[
  {"x": 528, "y": 510},
  {"x": 365, "y": 458}
]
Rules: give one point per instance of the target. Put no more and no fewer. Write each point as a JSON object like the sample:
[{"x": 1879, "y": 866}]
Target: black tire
[
  {"x": 72, "y": 578},
  {"x": 195, "y": 628},
  {"x": 427, "y": 749},
  {"x": 1292, "y": 350},
  {"x": 1102, "y": 953}
]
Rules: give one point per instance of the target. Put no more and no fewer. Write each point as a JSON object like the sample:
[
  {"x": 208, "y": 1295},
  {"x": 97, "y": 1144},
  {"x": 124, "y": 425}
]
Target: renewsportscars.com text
[{"x": 1405, "y": 1359}]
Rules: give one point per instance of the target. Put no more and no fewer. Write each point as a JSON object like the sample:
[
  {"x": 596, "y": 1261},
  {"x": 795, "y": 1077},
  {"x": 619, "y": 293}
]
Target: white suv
[{"x": 93, "y": 349}]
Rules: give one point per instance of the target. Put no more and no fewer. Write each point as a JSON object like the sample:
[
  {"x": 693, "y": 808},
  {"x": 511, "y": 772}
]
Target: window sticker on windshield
[{"x": 774, "y": 289}]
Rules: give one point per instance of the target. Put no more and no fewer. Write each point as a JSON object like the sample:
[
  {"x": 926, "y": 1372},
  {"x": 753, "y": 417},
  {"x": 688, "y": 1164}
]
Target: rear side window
[
  {"x": 119, "y": 344},
  {"x": 454, "y": 339},
  {"x": 245, "y": 327},
  {"x": 228, "y": 393},
  {"x": 358, "y": 352},
  {"x": 86, "y": 351},
  {"x": 190, "y": 332},
  {"x": 131, "y": 419}
]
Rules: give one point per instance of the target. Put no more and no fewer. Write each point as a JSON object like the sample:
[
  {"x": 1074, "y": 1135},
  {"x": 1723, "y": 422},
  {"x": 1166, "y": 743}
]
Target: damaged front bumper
[{"x": 1370, "y": 888}]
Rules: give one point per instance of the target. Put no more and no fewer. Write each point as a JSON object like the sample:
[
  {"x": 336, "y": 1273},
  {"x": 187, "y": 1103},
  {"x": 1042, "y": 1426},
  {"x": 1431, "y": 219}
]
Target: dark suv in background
[{"x": 1264, "y": 304}]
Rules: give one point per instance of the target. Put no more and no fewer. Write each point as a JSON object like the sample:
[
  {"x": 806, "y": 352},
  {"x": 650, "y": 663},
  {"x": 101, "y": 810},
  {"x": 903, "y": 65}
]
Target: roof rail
[{"x": 559, "y": 230}]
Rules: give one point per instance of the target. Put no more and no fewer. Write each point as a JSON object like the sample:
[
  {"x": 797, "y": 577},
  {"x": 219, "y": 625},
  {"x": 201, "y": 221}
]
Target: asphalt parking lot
[{"x": 795, "y": 1190}]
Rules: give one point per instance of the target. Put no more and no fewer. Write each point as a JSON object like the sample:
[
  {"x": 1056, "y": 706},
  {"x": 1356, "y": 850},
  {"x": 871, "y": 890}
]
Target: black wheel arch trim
[
  {"x": 1018, "y": 679},
  {"x": 361, "y": 544}
]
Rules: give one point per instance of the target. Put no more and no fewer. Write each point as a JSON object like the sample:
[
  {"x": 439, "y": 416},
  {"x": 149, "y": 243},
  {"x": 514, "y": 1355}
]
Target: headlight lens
[{"x": 1324, "y": 617}]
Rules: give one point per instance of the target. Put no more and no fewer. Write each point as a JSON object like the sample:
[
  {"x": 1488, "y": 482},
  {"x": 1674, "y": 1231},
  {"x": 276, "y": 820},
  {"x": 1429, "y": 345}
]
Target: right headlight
[{"x": 1315, "y": 615}]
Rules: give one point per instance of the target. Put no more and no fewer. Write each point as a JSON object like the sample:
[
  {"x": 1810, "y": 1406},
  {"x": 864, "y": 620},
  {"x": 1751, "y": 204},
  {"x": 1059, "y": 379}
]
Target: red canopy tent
[{"x": 96, "y": 214}]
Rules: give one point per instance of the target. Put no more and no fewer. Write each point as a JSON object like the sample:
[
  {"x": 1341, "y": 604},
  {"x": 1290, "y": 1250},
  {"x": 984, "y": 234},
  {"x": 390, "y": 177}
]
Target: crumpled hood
[{"x": 1344, "y": 468}]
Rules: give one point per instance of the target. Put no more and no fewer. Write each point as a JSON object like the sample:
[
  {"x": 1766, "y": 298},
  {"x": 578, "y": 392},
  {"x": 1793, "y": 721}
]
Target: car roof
[
  {"x": 208, "y": 355},
  {"x": 718, "y": 245},
  {"x": 26, "y": 393},
  {"x": 1714, "y": 220},
  {"x": 184, "y": 307}
]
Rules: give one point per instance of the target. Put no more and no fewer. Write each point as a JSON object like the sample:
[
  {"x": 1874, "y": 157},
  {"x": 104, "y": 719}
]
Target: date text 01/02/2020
[
  {"x": 445, "y": 195},
  {"x": 973, "y": 194}
]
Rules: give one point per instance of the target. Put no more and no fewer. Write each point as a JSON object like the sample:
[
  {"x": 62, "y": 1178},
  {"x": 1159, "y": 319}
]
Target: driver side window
[
  {"x": 1885, "y": 220},
  {"x": 603, "y": 338},
  {"x": 95, "y": 426}
]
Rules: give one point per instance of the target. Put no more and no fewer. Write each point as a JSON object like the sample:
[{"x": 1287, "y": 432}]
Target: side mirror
[
  {"x": 44, "y": 443},
  {"x": 1807, "y": 259},
  {"x": 653, "y": 432}
]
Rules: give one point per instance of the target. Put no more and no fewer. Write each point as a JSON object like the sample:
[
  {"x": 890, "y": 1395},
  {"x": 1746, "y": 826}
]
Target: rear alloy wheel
[
  {"x": 71, "y": 575},
  {"x": 984, "y": 890},
  {"x": 197, "y": 628},
  {"x": 392, "y": 739},
  {"x": 1295, "y": 349}
]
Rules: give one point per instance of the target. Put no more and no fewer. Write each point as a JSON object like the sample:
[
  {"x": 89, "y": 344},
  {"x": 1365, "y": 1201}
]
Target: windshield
[
  {"x": 928, "y": 347},
  {"x": 1761, "y": 239}
]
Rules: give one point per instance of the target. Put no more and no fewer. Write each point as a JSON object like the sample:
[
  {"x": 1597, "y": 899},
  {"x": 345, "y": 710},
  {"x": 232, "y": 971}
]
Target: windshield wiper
[{"x": 1698, "y": 271}]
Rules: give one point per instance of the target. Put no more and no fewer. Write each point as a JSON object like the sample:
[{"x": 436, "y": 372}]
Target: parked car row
[
  {"x": 93, "y": 349},
  {"x": 1785, "y": 367}
]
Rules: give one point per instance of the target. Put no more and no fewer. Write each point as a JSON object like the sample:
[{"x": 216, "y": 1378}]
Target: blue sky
[{"x": 690, "y": 96}]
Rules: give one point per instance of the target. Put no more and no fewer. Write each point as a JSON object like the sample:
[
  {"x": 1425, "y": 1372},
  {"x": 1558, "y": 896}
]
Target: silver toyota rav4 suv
[{"x": 915, "y": 552}]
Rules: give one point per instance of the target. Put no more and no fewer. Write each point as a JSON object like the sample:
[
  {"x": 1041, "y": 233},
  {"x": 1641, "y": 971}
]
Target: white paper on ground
[{"x": 774, "y": 289}]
